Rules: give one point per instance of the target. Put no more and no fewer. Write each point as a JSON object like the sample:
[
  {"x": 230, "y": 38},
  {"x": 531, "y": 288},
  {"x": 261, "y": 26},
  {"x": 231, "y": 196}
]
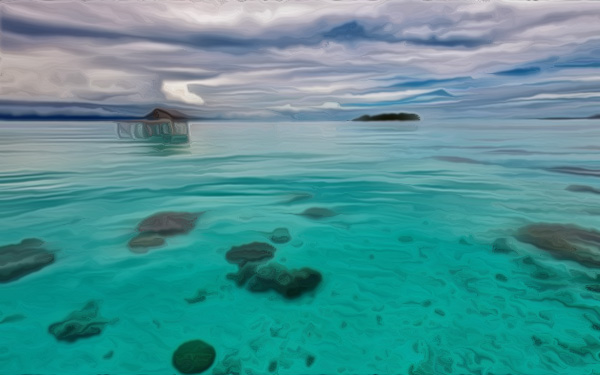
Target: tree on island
[{"x": 390, "y": 117}]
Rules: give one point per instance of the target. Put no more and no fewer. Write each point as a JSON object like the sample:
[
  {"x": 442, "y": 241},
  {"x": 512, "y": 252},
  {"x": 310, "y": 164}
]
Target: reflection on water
[
  {"x": 161, "y": 131},
  {"x": 162, "y": 137}
]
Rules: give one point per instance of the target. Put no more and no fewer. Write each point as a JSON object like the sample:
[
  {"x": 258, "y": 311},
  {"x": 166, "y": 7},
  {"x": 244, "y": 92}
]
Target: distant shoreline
[{"x": 593, "y": 117}]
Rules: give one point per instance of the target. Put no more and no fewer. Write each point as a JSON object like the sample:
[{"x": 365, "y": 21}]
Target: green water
[{"x": 410, "y": 281}]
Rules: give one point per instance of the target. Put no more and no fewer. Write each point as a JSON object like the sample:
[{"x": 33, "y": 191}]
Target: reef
[
  {"x": 142, "y": 242},
  {"x": 21, "y": 259},
  {"x": 154, "y": 228},
  {"x": 169, "y": 223},
  {"x": 80, "y": 324},
  {"x": 390, "y": 117},
  {"x": 564, "y": 241},
  {"x": 274, "y": 276},
  {"x": 229, "y": 365},
  {"x": 250, "y": 253},
  {"x": 194, "y": 357}
]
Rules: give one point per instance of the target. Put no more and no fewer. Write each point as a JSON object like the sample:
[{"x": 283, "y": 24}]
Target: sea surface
[{"x": 410, "y": 281}]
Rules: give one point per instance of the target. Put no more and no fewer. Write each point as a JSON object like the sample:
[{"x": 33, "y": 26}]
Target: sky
[{"x": 300, "y": 60}]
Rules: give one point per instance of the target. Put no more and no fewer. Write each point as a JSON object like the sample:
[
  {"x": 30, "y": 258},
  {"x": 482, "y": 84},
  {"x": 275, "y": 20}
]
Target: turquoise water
[{"x": 410, "y": 281}]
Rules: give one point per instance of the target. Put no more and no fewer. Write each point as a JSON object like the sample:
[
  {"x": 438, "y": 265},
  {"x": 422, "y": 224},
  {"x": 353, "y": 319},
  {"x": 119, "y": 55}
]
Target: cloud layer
[{"x": 301, "y": 59}]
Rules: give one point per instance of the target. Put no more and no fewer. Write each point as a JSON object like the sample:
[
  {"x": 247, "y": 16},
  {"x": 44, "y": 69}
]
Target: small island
[{"x": 390, "y": 117}]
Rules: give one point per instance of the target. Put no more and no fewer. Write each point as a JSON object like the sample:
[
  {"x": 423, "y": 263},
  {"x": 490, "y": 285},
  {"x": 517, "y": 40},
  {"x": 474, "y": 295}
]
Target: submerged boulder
[
  {"x": 564, "y": 241},
  {"x": 583, "y": 189},
  {"x": 80, "y": 324},
  {"x": 23, "y": 258},
  {"x": 280, "y": 235},
  {"x": 252, "y": 252},
  {"x": 194, "y": 357}
]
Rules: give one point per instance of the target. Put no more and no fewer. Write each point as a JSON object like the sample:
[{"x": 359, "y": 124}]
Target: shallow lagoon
[{"x": 411, "y": 283}]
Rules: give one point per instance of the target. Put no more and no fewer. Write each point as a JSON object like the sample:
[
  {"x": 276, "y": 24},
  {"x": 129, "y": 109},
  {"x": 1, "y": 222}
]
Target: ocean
[{"x": 399, "y": 220}]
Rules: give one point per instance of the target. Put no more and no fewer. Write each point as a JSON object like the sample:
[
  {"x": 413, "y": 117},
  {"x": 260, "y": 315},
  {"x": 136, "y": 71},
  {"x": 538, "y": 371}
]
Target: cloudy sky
[{"x": 302, "y": 60}]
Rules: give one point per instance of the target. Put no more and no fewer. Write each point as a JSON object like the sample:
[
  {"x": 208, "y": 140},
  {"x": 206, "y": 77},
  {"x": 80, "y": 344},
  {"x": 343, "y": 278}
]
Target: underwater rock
[
  {"x": 463, "y": 241},
  {"x": 542, "y": 274},
  {"x": 194, "y": 357},
  {"x": 593, "y": 288},
  {"x": 143, "y": 241},
  {"x": 80, "y": 324},
  {"x": 318, "y": 213},
  {"x": 310, "y": 359},
  {"x": 22, "y": 259},
  {"x": 12, "y": 318},
  {"x": 583, "y": 189},
  {"x": 289, "y": 283},
  {"x": 169, "y": 223},
  {"x": 405, "y": 239},
  {"x": 298, "y": 197},
  {"x": 502, "y": 246},
  {"x": 272, "y": 366},
  {"x": 280, "y": 235},
  {"x": 564, "y": 241},
  {"x": 199, "y": 297},
  {"x": 252, "y": 252}
]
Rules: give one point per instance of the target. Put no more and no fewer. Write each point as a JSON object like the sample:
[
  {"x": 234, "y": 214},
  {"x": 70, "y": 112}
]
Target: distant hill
[
  {"x": 390, "y": 117},
  {"x": 162, "y": 113},
  {"x": 67, "y": 115}
]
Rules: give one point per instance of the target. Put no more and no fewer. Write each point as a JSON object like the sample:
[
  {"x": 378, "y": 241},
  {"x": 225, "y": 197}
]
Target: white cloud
[
  {"x": 575, "y": 95},
  {"x": 330, "y": 105},
  {"x": 179, "y": 91},
  {"x": 272, "y": 56}
]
